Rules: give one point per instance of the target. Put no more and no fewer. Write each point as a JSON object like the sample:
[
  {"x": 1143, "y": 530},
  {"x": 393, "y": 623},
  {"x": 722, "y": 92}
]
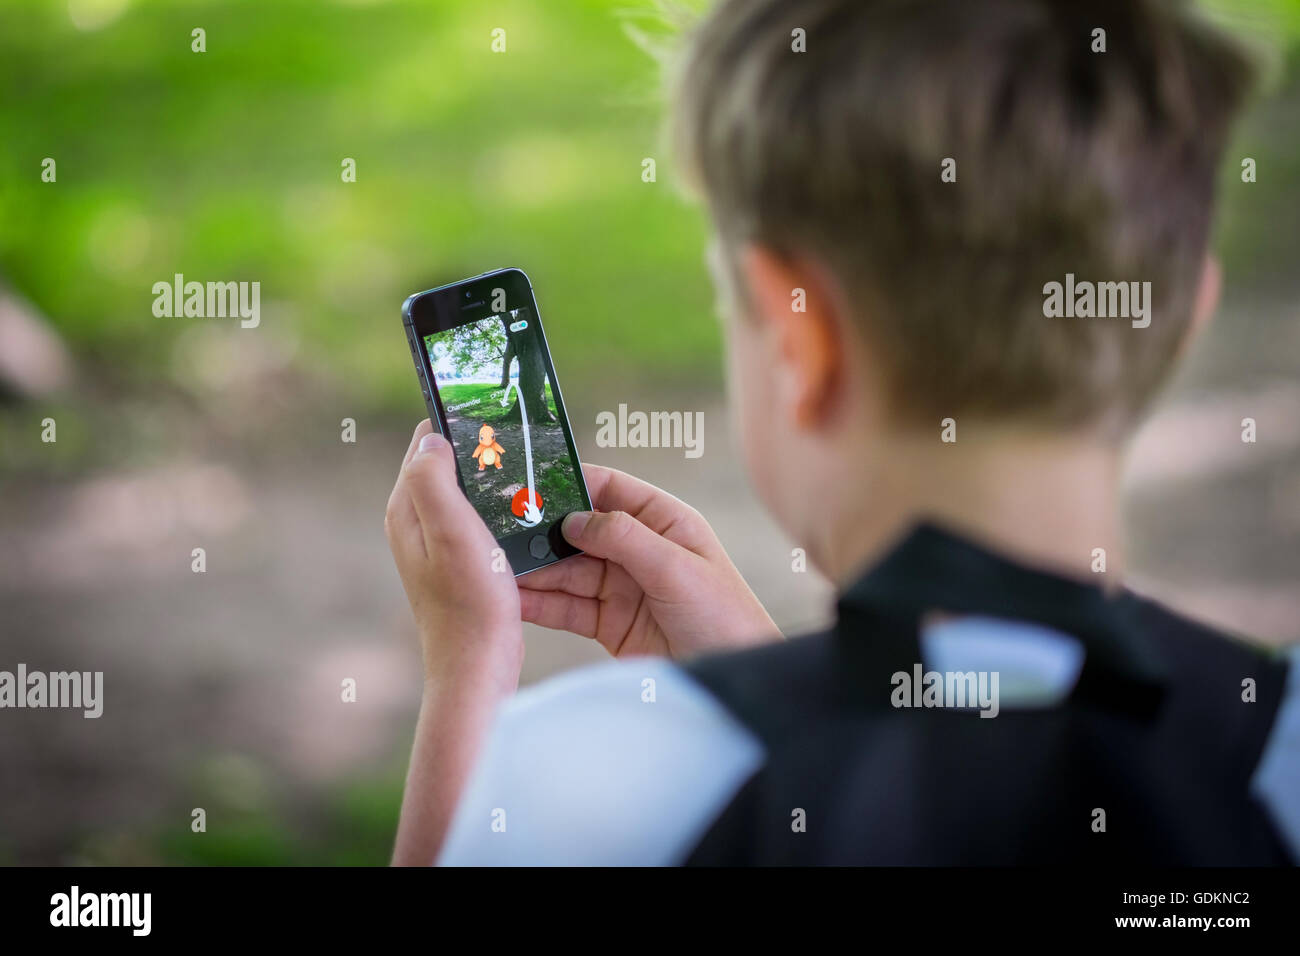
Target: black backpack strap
[{"x": 933, "y": 571}]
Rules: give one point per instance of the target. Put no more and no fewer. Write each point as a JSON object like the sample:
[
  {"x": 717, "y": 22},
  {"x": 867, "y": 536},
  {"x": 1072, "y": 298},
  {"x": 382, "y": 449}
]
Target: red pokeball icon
[{"x": 520, "y": 499}]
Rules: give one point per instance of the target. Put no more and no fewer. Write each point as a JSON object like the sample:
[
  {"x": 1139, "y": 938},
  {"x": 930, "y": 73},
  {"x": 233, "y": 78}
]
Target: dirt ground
[{"x": 492, "y": 488}]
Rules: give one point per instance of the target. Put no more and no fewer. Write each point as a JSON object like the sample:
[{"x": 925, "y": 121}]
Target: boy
[{"x": 922, "y": 174}]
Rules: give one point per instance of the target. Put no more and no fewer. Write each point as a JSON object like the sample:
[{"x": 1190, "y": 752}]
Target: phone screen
[{"x": 504, "y": 417}]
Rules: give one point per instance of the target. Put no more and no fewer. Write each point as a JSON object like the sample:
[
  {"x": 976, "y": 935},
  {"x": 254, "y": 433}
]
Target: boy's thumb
[
  {"x": 653, "y": 561},
  {"x": 572, "y": 525}
]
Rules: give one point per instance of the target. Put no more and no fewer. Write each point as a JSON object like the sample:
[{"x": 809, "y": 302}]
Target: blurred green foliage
[
  {"x": 227, "y": 165},
  {"x": 352, "y": 826}
]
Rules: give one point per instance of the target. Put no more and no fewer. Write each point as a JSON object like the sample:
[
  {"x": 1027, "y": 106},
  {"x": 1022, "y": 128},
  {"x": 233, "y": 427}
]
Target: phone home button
[{"x": 538, "y": 546}]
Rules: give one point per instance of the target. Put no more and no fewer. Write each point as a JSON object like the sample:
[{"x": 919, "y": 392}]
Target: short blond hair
[{"x": 1100, "y": 164}]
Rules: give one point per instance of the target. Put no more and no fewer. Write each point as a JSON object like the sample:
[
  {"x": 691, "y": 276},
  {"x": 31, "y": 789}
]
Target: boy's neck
[{"x": 1044, "y": 501}]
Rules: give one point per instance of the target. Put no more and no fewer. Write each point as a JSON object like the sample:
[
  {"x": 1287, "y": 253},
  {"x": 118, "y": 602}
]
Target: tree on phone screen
[{"x": 525, "y": 346}]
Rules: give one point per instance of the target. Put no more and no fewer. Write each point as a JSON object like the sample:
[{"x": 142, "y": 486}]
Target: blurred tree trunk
[{"x": 33, "y": 359}]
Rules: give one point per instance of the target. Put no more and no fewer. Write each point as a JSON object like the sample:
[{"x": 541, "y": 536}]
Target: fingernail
[
  {"x": 574, "y": 523},
  {"x": 429, "y": 442}
]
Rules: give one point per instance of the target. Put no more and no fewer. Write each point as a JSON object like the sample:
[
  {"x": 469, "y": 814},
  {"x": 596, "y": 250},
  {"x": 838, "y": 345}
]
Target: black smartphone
[{"x": 490, "y": 386}]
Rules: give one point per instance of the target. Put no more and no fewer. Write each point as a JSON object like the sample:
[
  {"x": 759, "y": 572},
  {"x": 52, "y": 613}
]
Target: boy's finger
[
  {"x": 400, "y": 519},
  {"x": 654, "y": 562},
  {"x": 560, "y": 611},
  {"x": 424, "y": 428},
  {"x": 614, "y": 490},
  {"x": 581, "y": 575},
  {"x": 430, "y": 480}
]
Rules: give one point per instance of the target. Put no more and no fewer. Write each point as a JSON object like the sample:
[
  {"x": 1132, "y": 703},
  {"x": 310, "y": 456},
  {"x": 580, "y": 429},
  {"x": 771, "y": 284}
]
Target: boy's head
[{"x": 921, "y": 170}]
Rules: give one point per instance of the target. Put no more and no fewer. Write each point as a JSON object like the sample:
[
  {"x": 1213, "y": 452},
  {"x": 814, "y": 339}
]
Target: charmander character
[{"x": 488, "y": 452}]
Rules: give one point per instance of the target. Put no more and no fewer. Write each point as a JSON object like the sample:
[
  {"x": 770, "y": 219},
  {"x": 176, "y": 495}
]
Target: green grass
[
  {"x": 489, "y": 409},
  {"x": 556, "y": 483},
  {"x": 351, "y": 825}
]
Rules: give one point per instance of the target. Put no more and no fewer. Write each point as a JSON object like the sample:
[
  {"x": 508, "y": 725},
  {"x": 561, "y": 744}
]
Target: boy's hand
[
  {"x": 468, "y": 616},
  {"x": 467, "y": 613},
  {"x": 654, "y": 579}
]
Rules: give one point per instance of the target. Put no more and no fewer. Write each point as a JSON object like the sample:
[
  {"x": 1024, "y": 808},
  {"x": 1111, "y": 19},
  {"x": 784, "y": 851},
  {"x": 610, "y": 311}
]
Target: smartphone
[{"x": 491, "y": 390}]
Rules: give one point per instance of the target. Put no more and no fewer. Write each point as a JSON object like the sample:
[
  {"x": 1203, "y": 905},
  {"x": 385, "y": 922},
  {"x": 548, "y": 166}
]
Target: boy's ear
[{"x": 795, "y": 301}]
